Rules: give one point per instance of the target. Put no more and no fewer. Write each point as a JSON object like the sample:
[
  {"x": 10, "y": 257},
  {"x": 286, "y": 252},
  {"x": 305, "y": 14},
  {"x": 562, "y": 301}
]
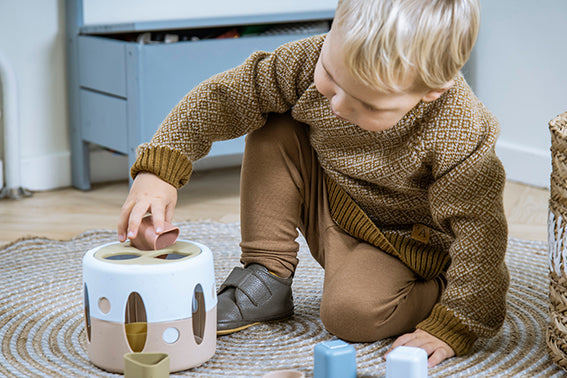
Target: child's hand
[
  {"x": 436, "y": 349},
  {"x": 151, "y": 194}
]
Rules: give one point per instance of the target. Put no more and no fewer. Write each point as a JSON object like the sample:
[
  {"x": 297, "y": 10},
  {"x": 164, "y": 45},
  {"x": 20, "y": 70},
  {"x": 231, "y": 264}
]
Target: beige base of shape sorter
[{"x": 150, "y": 301}]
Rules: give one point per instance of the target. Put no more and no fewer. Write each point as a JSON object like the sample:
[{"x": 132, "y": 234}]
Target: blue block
[{"x": 335, "y": 359}]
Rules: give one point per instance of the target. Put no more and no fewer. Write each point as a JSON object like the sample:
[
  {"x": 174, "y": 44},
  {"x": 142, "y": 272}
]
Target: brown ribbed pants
[{"x": 368, "y": 294}]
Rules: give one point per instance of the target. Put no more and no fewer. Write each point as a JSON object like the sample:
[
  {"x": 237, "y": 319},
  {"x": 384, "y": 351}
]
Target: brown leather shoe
[{"x": 252, "y": 295}]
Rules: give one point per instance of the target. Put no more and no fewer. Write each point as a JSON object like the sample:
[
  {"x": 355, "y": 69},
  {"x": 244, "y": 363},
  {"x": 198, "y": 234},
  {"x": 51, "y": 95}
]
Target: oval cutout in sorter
[
  {"x": 135, "y": 322},
  {"x": 87, "y": 312},
  {"x": 199, "y": 314},
  {"x": 122, "y": 256},
  {"x": 172, "y": 256}
]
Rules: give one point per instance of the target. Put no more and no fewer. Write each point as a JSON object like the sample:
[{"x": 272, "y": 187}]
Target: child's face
[{"x": 356, "y": 102}]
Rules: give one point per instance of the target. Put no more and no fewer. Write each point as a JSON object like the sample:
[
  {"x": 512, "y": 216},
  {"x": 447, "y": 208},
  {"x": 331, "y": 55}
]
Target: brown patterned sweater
[{"x": 428, "y": 190}]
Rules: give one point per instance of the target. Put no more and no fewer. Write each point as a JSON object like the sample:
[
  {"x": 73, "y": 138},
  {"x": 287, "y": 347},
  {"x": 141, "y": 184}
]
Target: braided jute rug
[{"x": 42, "y": 329}]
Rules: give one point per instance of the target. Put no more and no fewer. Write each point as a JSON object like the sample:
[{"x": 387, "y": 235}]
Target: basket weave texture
[{"x": 557, "y": 234}]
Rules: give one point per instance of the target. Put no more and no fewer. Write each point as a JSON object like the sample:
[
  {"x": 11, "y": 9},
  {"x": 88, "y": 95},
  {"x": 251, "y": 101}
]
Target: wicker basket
[{"x": 557, "y": 233}]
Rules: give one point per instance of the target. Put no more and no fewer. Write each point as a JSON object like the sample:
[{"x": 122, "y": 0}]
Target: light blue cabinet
[{"x": 120, "y": 90}]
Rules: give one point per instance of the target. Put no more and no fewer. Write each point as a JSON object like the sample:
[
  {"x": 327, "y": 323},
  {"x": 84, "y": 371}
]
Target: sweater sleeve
[
  {"x": 466, "y": 202},
  {"x": 227, "y": 106}
]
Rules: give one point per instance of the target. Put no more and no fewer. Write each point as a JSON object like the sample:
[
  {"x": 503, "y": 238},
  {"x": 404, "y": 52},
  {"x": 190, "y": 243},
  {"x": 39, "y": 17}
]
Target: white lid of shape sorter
[{"x": 166, "y": 279}]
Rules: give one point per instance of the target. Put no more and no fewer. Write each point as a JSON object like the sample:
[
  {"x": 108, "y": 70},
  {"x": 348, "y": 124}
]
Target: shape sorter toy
[{"x": 150, "y": 301}]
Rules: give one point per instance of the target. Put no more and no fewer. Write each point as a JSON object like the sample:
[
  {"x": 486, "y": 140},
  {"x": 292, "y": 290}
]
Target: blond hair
[{"x": 384, "y": 41}]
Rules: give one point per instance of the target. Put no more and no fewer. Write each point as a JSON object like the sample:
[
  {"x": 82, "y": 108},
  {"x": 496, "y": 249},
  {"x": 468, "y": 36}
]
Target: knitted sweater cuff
[
  {"x": 170, "y": 165},
  {"x": 445, "y": 325}
]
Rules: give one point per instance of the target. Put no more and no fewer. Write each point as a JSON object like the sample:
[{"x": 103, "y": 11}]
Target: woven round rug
[{"x": 42, "y": 328}]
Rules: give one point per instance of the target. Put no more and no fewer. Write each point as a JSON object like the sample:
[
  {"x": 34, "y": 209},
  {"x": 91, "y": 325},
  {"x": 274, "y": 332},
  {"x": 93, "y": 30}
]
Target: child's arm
[
  {"x": 151, "y": 194},
  {"x": 231, "y": 104},
  {"x": 467, "y": 202},
  {"x": 226, "y": 106}
]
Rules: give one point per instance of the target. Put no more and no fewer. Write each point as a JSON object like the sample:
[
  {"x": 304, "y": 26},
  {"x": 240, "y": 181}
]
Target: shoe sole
[
  {"x": 234, "y": 330},
  {"x": 224, "y": 332}
]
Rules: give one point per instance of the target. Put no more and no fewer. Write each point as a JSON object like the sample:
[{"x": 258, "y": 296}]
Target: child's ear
[{"x": 434, "y": 94}]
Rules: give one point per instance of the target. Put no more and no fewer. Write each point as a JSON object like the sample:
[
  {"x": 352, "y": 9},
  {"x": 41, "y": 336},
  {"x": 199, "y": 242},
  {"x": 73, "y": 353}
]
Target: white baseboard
[
  {"x": 525, "y": 164},
  {"x": 53, "y": 171},
  {"x": 46, "y": 172}
]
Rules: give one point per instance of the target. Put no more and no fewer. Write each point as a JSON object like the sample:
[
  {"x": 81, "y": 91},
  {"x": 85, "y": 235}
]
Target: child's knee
[{"x": 355, "y": 319}]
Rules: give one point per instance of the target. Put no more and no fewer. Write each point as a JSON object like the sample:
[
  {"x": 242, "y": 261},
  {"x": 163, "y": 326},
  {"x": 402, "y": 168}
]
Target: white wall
[
  {"x": 32, "y": 39},
  {"x": 521, "y": 75},
  {"x": 520, "y": 67}
]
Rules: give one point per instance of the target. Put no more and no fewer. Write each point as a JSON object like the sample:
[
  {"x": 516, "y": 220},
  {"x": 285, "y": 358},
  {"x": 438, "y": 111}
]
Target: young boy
[{"x": 370, "y": 142}]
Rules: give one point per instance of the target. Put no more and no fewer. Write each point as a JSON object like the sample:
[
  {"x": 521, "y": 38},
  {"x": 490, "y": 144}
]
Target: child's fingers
[
  {"x": 438, "y": 356},
  {"x": 169, "y": 210},
  {"x": 123, "y": 221},
  {"x": 402, "y": 340},
  {"x": 148, "y": 193},
  {"x": 136, "y": 215},
  {"x": 158, "y": 216}
]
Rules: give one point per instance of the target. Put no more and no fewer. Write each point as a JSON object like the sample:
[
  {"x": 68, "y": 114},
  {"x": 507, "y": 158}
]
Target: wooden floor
[{"x": 211, "y": 195}]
